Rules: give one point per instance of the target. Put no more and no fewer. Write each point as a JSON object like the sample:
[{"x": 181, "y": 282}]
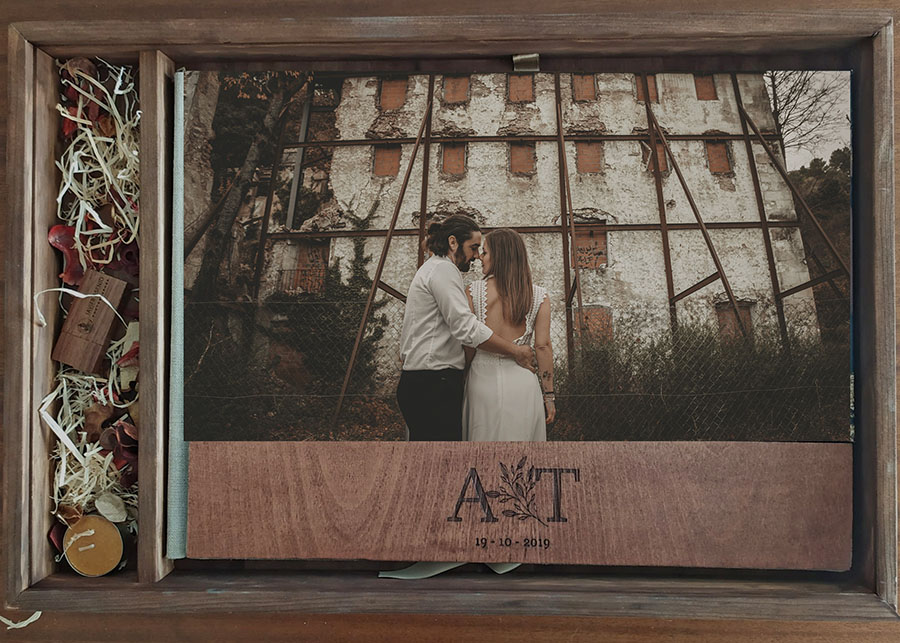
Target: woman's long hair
[{"x": 512, "y": 276}]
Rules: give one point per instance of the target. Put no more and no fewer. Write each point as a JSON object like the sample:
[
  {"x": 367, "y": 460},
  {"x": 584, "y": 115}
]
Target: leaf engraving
[{"x": 518, "y": 488}]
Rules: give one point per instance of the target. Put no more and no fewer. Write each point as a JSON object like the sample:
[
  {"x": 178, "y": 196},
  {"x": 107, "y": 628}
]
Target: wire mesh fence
[{"x": 273, "y": 371}]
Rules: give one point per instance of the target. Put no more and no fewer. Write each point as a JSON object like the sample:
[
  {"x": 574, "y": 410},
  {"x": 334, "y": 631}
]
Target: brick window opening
[
  {"x": 522, "y": 158},
  {"x": 651, "y": 87},
  {"x": 705, "y": 85},
  {"x": 309, "y": 274},
  {"x": 453, "y": 158},
  {"x": 717, "y": 157},
  {"x": 387, "y": 160},
  {"x": 393, "y": 93},
  {"x": 728, "y": 326},
  {"x": 584, "y": 87},
  {"x": 456, "y": 89},
  {"x": 660, "y": 154},
  {"x": 590, "y": 247},
  {"x": 588, "y": 157},
  {"x": 521, "y": 88},
  {"x": 597, "y": 323}
]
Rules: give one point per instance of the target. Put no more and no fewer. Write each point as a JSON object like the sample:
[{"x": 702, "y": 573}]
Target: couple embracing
[{"x": 468, "y": 362}]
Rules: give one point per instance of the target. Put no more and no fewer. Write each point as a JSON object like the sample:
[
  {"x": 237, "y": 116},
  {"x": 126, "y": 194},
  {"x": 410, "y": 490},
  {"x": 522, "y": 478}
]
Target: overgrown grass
[{"x": 691, "y": 385}]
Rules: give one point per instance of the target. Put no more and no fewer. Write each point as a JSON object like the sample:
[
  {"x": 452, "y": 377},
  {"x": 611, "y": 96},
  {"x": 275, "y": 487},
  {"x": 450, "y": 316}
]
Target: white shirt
[{"x": 437, "y": 321}]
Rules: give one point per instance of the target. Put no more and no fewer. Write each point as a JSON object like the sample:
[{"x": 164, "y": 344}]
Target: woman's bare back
[{"x": 494, "y": 317}]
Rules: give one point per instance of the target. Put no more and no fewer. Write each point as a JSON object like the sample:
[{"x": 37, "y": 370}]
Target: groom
[{"x": 436, "y": 324}]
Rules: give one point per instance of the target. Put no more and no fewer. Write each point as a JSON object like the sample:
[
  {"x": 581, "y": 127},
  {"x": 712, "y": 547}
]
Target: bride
[{"x": 503, "y": 401}]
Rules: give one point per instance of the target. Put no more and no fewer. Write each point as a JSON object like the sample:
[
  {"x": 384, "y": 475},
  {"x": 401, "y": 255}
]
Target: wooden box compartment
[{"x": 621, "y": 42}]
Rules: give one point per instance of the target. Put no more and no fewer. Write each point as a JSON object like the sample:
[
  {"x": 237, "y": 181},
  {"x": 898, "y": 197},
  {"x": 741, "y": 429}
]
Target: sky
[{"x": 797, "y": 158}]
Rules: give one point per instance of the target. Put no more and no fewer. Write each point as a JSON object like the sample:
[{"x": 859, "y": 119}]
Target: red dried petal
[
  {"x": 129, "y": 476},
  {"x": 119, "y": 462},
  {"x": 68, "y": 125},
  {"x": 125, "y": 454},
  {"x": 93, "y": 111},
  {"x": 130, "y": 358},
  {"x": 62, "y": 237},
  {"x": 125, "y": 438},
  {"x": 109, "y": 439},
  {"x": 56, "y": 535}
]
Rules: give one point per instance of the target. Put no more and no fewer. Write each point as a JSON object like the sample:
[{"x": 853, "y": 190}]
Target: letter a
[{"x": 478, "y": 497}]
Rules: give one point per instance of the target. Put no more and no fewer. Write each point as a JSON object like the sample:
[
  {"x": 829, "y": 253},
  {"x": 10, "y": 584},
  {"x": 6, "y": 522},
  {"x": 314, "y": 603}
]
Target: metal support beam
[
  {"x": 381, "y": 261},
  {"x": 812, "y": 282},
  {"x": 760, "y": 206},
  {"x": 539, "y": 229},
  {"x": 426, "y": 159},
  {"x": 661, "y": 205},
  {"x": 298, "y": 159},
  {"x": 777, "y": 163},
  {"x": 546, "y": 138},
  {"x": 837, "y": 291},
  {"x": 703, "y": 228},
  {"x": 571, "y": 210},
  {"x": 697, "y": 286},
  {"x": 568, "y": 291},
  {"x": 393, "y": 292},
  {"x": 270, "y": 197}
]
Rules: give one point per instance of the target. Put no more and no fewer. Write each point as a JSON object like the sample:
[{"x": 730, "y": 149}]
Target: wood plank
[
  {"x": 156, "y": 72},
  {"x": 461, "y": 592},
  {"x": 45, "y": 274},
  {"x": 260, "y": 52},
  {"x": 884, "y": 372},
  {"x": 467, "y": 33},
  {"x": 18, "y": 323},
  {"x": 681, "y": 504},
  {"x": 382, "y": 628}
]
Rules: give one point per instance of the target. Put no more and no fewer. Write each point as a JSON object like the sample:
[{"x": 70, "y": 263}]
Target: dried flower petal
[
  {"x": 129, "y": 476},
  {"x": 111, "y": 507},
  {"x": 94, "y": 417},
  {"x": 80, "y": 64},
  {"x": 69, "y": 514},
  {"x": 108, "y": 439},
  {"x": 62, "y": 237},
  {"x": 57, "y": 532}
]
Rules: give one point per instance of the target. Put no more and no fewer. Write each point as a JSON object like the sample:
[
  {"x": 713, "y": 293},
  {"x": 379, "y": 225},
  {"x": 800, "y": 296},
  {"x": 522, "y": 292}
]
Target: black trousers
[{"x": 431, "y": 403}]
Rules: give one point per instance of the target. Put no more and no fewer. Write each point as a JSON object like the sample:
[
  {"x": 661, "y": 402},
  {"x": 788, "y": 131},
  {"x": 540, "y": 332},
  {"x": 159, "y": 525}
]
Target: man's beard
[{"x": 464, "y": 266}]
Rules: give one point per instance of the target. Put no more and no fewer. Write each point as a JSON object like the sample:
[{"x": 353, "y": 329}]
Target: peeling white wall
[{"x": 633, "y": 284}]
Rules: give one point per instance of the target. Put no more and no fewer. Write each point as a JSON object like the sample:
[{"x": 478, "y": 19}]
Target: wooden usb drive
[{"x": 88, "y": 328}]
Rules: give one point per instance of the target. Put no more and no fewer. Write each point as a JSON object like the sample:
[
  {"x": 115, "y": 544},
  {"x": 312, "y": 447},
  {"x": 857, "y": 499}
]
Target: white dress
[{"x": 503, "y": 401}]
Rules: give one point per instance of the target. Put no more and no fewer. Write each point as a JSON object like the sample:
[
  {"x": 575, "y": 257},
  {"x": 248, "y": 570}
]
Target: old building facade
[{"x": 493, "y": 153}]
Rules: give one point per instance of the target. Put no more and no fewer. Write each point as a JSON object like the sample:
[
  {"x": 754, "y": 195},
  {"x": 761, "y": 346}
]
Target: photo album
[{"x": 530, "y": 317}]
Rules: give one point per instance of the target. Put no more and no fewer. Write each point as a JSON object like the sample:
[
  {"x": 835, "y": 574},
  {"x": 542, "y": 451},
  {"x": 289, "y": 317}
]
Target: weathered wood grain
[
  {"x": 46, "y": 267},
  {"x": 681, "y": 504},
  {"x": 466, "y": 591},
  {"x": 17, "y": 316},
  {"x": 884, "y": 371},
  {"x": 366, "y": 51},
  {"x": 472, "y": 32},
  {"x": 156, "y": 73}
]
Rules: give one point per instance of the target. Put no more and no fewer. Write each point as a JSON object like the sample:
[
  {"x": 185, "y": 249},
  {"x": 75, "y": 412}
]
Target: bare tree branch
[{"x": 807, "y": 107}]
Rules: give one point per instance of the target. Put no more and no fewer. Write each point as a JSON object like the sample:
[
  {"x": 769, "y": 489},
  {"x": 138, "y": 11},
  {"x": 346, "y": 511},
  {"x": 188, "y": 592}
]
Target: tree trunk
[{"x": 219, "y": 233}]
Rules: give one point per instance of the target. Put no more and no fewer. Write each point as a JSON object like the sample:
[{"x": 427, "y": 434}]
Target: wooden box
[{"x": 860, "y": 40}]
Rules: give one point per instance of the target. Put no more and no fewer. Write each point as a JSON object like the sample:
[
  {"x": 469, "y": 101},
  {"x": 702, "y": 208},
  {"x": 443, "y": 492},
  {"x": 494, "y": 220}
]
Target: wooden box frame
[{"x": 860, "y": 40}]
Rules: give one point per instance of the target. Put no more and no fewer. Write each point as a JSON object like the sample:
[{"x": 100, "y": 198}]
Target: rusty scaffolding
[{"x": 653, "y": 138}]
